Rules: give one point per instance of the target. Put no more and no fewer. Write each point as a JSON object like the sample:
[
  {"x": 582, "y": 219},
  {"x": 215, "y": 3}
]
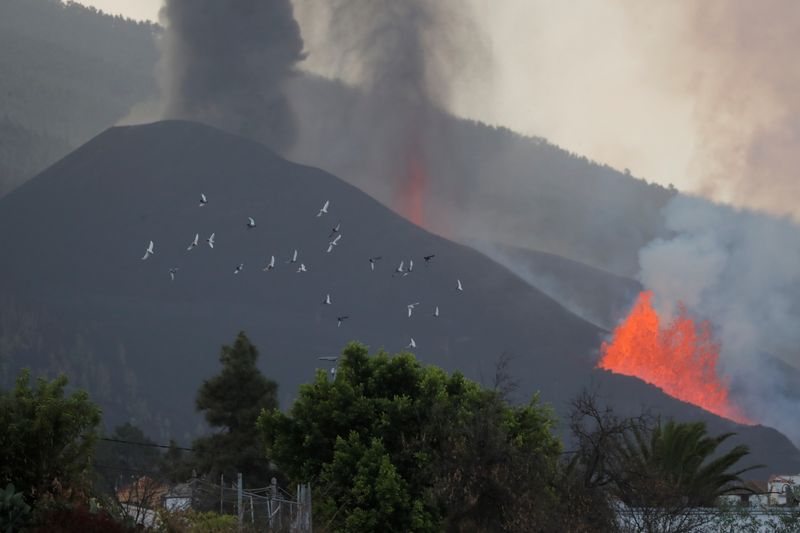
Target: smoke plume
[
  {"x": 735, "y": 61},
  {"x": 226, "y": 63},
  {"x": 401, "y": 58},
  {"x": 741, "y": 270}
]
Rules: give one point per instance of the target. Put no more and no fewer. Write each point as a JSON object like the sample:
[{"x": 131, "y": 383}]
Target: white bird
[
  {"x": 210, "y": 240},
  {"x": 203, "y": 200},
  {"x": 412, "y": 344},
  {"x": 340, "y": 319},
  {"x": 399, "y": 270},
  {"x": 194, "y": 242},
  {"x": 239, "y": 268},
  {"x": 149, "y": 251},
  {"x": 251, "y": 223},
  {"x": 410, "y": 268},
  {"x": 324, "y": 210},
  {"x": 372, "y": 261},
  {"x": 172, "y": 272},
  {"x": 335, "y": 229},
  {"x": 302, "y": 268},
  {"x": 334, "y": 242},
  {"x": 327, "y": 300},
  {"x": 293, "y": 259},
  {"x": 411, "y": 308},
  {"x": 460, "y": 287},
  {"x": 270, "y": 265},
  {"x": 436, "y": 312}
]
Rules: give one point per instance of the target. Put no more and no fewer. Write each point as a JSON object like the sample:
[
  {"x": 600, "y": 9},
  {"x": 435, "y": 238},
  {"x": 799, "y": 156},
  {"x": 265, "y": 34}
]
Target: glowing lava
[
  {"x": 680, "y": 359},
  {"x": 412, "y": 193}
]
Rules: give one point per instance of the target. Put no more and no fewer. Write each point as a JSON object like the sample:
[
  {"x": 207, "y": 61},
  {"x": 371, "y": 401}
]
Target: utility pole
[
  {"x": 239, "y": 509},
  {"x": 221, "y": 493}
]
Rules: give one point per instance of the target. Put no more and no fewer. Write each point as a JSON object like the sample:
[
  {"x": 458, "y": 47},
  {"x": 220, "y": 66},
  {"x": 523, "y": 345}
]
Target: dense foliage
[
  {"x": 410, "y": 448},
  {"x": 231, "y": 403},
  {"x": 679, "y": 460},
  {"x": 47, "y": 437}
]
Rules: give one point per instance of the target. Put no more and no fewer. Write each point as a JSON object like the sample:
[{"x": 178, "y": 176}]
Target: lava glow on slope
[
  {"x": 412, "y": 192},
  {"x": 679, "y": 358}
]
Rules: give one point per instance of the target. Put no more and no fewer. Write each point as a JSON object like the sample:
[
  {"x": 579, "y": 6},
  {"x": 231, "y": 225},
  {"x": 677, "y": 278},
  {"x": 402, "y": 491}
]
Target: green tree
[
  {"x": 411, "y": 448},
  {"x": 680, "y": 460},
  {"x": 232, "y": 401},
  {"x": 47, "y": 438}
]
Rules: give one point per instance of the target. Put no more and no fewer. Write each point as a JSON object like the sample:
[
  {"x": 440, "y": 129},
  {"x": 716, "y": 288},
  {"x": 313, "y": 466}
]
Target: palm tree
[{"x": 679, "y": 460}]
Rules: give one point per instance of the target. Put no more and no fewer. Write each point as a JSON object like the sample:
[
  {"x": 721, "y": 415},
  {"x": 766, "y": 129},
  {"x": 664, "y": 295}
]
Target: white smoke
[{"x": 740, "y": 270}]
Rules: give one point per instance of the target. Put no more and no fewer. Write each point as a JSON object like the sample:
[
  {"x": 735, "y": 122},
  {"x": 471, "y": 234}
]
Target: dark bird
[
  {"x": 428, "y": 258},
  {"x": 239, "y": 268},
  {"x": 340, "y": 319}
]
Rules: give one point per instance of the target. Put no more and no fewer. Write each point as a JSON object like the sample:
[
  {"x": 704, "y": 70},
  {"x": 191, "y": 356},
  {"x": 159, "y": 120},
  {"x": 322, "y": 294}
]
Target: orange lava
[
  {"x": 412, "y": 193},
  {"x": 679, "y": 358}
]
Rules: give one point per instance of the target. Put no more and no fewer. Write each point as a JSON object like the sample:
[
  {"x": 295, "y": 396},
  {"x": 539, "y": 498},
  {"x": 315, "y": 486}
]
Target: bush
[
  {"x": 14, "y": 512},
  {"x": 191, "y": 521}
]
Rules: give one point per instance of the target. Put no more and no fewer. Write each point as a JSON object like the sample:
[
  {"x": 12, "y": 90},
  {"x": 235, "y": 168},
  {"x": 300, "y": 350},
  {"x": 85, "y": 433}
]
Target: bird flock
[{"x": 335, "y": 236}]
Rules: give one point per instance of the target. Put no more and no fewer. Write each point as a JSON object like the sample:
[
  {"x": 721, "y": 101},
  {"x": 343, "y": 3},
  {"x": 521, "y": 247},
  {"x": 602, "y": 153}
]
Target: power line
[{"x": 148, "y": 444}]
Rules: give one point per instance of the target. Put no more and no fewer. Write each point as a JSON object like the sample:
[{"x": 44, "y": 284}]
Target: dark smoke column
[{"x": 225, "y": 63}]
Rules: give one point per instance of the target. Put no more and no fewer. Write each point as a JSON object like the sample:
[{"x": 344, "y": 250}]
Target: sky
[{"x": 697, "y": 94}]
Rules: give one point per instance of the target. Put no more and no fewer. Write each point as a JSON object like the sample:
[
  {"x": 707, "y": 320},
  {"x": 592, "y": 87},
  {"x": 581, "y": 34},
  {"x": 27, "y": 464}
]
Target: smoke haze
[
  {"x": 226, "y": 64},
  {"x": 740, "y": 270}
]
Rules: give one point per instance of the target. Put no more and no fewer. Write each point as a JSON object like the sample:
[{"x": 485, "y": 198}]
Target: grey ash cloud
[{"x": 227, "y": 63}]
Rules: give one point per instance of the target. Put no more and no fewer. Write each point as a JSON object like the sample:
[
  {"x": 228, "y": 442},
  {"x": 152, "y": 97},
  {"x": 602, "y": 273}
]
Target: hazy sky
[{"x": 699, "y": 94}]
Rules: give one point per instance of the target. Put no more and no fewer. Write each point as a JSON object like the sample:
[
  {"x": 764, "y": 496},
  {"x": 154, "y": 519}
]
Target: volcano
[{"x": 78, "y": 298}]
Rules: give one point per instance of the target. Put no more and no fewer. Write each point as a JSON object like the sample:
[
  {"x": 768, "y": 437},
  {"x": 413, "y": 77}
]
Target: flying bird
[
  {"x": 327, "y": 300},
  {"x": 239, "y": 268},
  {"x": 293, "y": 259},
  {"x": 335, "y": 229},
  {"x": 399, "y": 269},
  {"x": 302, "y": 268},
  {"x": 372, "y": 261},
  {"x": 436, "y": 312},
  {"x": 210, "y": 240},
  {"x": 412, "y": 344},
  {"x": 194, "y": 242},
  {"x": 340, "y": 319},
  {"x": 270, "y": 265},
  {"x": 149, "y": 251},
  {"x": 428, "y": 258},
  {"x": 251, "y": 223},
  {"x": 410, "y": 268},
  {"x": 334, "y": 242},
  {"x": 324, "y": 210},
  {"x": 460, "y": 288},
  {"x": 203, "y": 200},
  {"x": 172, "y": 272},
  {"x": 411, "y": 308}
]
